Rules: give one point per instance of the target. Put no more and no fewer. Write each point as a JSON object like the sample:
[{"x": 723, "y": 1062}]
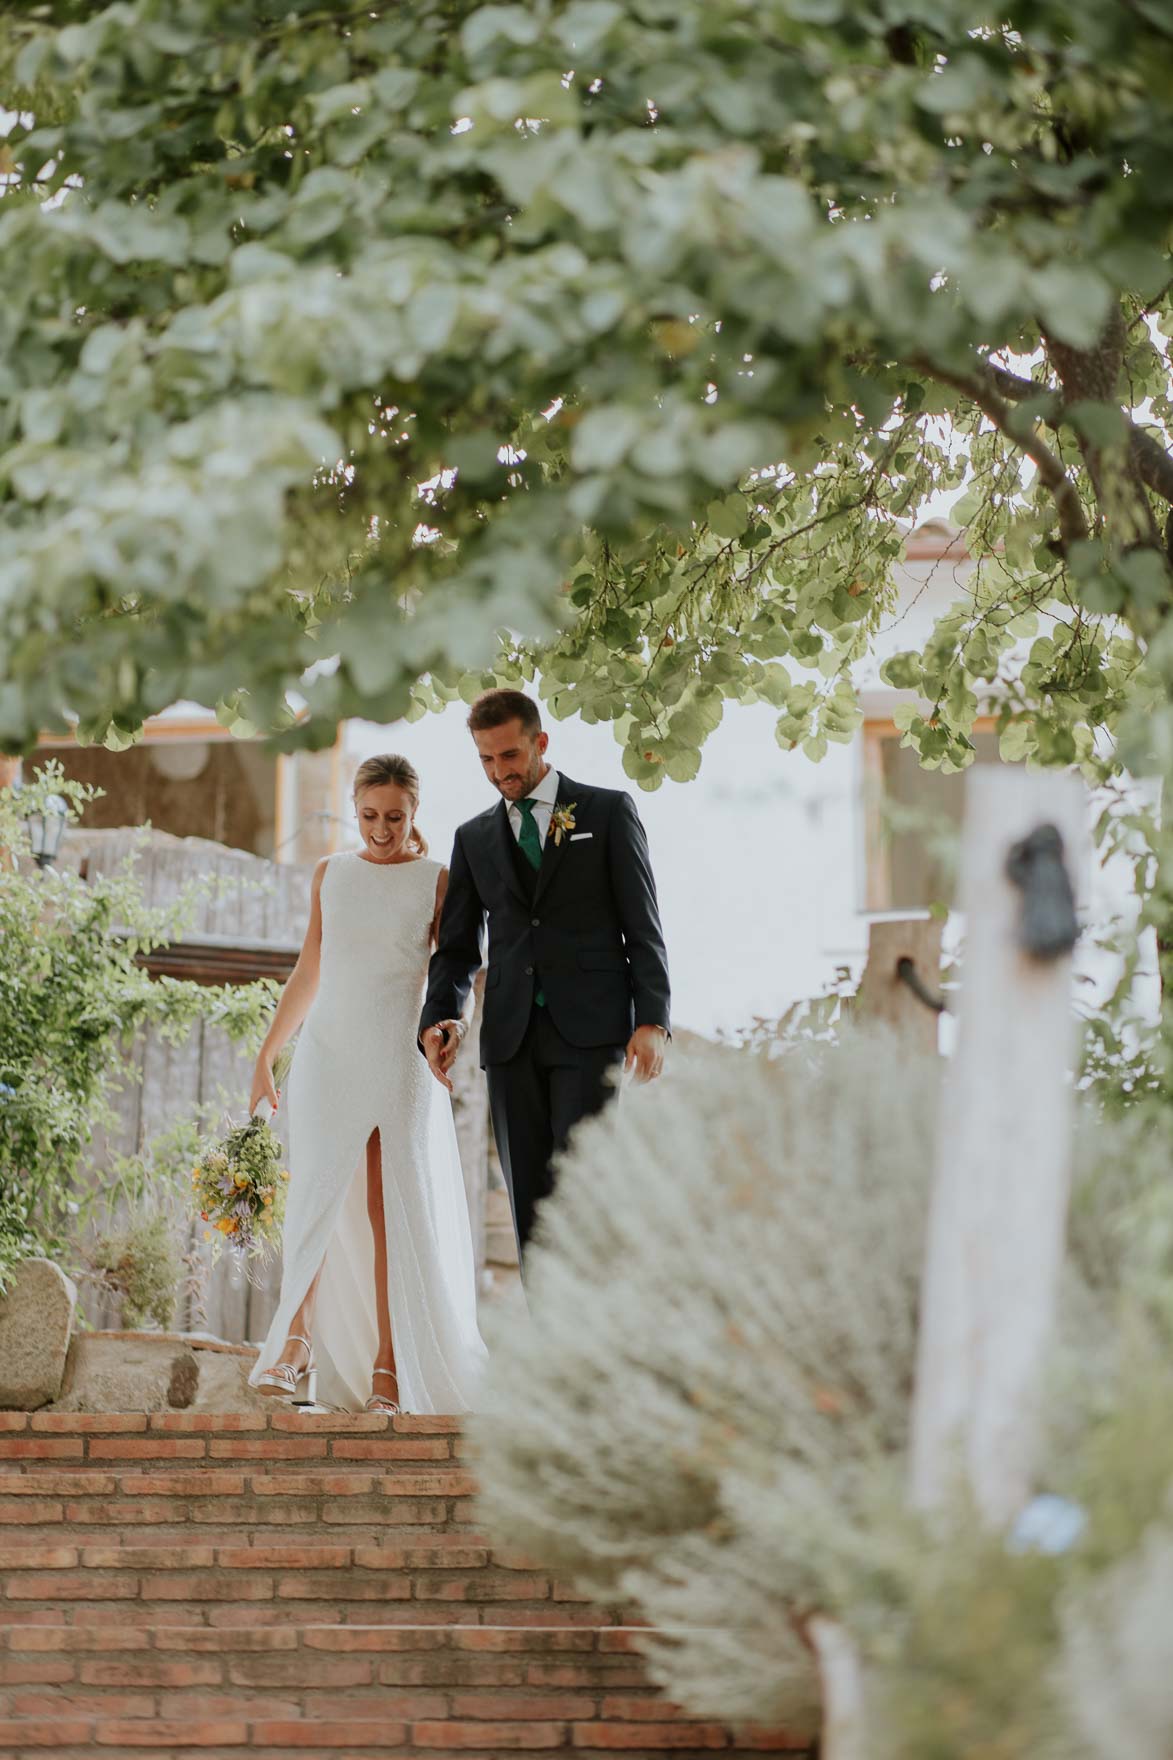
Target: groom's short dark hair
[{"x": 495, "y": 708}]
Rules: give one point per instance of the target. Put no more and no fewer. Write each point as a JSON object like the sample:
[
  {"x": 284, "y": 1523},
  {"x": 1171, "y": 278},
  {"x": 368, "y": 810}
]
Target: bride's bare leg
[
  {"x": 300, "y": 1327},
  {"x": 385, "y": 1385}
]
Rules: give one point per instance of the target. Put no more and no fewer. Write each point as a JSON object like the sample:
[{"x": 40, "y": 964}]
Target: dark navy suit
[{"x": 583, "y": 931}]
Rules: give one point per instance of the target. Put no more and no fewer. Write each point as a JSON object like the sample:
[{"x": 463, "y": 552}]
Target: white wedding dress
[{"x": 357, "y": 1067}]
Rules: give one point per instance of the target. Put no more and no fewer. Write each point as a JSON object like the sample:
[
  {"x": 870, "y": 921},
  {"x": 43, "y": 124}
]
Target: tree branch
[
  {"x": 1073, "y": 526},
  {"x": 1150, "y": 458}
]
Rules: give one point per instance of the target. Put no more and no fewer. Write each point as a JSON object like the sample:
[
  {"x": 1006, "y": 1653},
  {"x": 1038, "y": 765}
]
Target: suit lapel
[
  {"x": 502, "y": 839},
  {"x": 553, "y": 853}
]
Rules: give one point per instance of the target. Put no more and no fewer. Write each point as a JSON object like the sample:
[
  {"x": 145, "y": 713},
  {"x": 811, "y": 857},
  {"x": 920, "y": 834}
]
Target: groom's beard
[{"x": 515, "y": 788}]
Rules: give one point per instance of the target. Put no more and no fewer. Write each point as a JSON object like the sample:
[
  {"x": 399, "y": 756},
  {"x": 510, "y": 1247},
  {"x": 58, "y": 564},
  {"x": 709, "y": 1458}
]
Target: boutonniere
[{"x": 562, "y": 820}]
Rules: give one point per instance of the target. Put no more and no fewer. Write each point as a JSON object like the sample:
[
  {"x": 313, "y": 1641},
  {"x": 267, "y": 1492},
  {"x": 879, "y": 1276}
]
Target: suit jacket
[{"x": 584, "y": 928}]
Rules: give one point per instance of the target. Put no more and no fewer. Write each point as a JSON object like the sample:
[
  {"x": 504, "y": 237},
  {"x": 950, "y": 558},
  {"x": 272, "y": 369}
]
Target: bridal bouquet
[{"x": 238, "y": 1187}]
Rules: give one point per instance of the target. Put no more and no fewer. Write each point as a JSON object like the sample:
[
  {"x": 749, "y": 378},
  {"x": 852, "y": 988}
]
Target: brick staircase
[{"x": 294, "y": 1585}]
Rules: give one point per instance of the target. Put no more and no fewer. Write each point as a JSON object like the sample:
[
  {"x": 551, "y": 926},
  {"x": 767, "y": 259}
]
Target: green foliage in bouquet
[
  {"x": 71, "y": 994},
  {"x": 238, "y": 1188}
]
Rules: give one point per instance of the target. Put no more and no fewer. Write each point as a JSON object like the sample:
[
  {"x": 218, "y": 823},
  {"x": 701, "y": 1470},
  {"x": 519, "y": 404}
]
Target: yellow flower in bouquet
[{"x": 238, "y": 1188}]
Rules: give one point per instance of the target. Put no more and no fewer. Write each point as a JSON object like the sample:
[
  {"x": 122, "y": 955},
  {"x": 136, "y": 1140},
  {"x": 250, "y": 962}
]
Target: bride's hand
[{"x": 264, "y": 1087}]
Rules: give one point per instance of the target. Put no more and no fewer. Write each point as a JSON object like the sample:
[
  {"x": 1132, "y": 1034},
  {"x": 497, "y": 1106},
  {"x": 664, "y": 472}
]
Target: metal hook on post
[
  {"x": 1048, "y": 926},
  {"x": 907, "y": 973}
]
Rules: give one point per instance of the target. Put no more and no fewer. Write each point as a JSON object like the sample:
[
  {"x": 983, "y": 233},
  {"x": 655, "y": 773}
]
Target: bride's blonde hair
[{"x": 389, "y": 767}]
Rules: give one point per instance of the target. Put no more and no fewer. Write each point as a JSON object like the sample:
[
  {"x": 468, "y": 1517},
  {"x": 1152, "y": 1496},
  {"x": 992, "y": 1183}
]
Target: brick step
[
  {"x": 438, "y": 1578},
  {"x": 251, "y": 1499},
  {"x": 82, "y": 1441},
  {"x": 515, "y": 1675}
]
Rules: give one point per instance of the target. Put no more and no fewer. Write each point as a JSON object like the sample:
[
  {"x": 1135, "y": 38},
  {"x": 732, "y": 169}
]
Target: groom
[{"x": 577, "y": 978}]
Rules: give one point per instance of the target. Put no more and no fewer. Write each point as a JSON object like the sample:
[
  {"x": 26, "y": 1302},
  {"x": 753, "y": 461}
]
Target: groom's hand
[
  {"x": 441, "y": 1043},
  {"x": 645, "y": 1053}
]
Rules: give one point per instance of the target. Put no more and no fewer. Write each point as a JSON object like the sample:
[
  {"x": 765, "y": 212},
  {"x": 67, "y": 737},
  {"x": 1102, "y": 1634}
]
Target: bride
[{"x": 378, "y": 1291}]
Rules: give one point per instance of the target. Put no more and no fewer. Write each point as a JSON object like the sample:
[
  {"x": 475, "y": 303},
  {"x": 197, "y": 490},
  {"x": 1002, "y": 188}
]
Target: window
[{"x": 912, "y": 820}]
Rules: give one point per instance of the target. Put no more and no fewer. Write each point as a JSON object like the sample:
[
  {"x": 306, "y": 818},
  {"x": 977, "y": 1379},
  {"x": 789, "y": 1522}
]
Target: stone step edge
[
  {"x": 602, "y": 1639},
  {"x": 427, "y": 1735},
  {"x": 282, "y": 1419}
]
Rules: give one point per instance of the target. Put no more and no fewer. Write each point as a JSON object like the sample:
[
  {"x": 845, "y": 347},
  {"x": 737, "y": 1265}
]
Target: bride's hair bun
[{"x": 390, "y": 767}]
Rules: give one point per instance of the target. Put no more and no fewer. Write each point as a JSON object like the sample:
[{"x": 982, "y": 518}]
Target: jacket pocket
[{"x": 594, "y": 960}]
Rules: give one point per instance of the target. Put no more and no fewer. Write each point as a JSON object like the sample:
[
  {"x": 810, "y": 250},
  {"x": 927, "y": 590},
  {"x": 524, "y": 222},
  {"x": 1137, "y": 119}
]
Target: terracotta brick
[
  {"x": 68, "y": 1639},
  {"x": 551, "y": 1615},
  {"x": 329, "y": 1423},
  {"x": 149, "y": 1671},
  {"x": 648, "y": 1735},
  {"x": 237, "y": 1558},
  {"x": 216, "y": 1482},
  {"x": 245, "y": 1512},
  {"x": 251, "y": 1705},
  {"x": 206, "y": 1421},
  {"x": 490, "y": 1736},
  {"x": 43, "y": 1732},
  {"x": 77, "y": 1702},
  {"x": 27, "y": 1673},
  {"x": 441, "y": 1553},
  {"x": 382, "y": 1638},
  {"x": 301, "y": 1671},
  {"x": 11, "y": 1422},
  {"x": 625, "y": 1638},
  {"x": 320, "y": 1733},
  {"x": 240, "y": 1616},
  {"x": 26, "y": 1511},
  {"x": 130, "y": 1556},
  {"x": 445, "y": 1669},
  {"x": 439, "y": 1482},
  {"x": 341, "y": 1586},
  {"x": 773, "y": 1741},
  {"x": 70, "y": 1586},
  {"x": 504, "y": 1638},
  {"x": 286, "y": 1448},
  {"x": 203, "y": 1639},
  {"x": 426, "y": 1424},
  {"x": 113, "y": 1512},
  {"x": 148, "y": 1448},
  {"x": 53, "y": 1482},
  {"x": 205, "y": 1586},
  {"x": 90, "y": 1423},
  {"x": 159, "y": 1732},
  {"x": 409, "y": 1704},
  {"x": 313, "y": 1484},
  {"x": 515, "y": 1707},
  {"x": 563, "y": 1674},
  {"x": 481, "y": 1587},
  {"x": 388, "y": 1448},
  {"x": 391, "y": 1512},
  {"x": 42, "y": 1555},
  {"x": 625, "y": 1708},
  {"x": 42, "y": 1448}
]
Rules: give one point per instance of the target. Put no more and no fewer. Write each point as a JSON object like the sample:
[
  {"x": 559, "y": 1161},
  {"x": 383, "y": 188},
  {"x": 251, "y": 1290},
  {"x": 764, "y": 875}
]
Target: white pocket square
[{"x": 578, "y": 836}]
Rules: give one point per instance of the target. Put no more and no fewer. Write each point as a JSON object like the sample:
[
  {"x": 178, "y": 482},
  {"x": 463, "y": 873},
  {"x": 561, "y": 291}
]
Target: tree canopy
[{"x": 620, "y": 341}]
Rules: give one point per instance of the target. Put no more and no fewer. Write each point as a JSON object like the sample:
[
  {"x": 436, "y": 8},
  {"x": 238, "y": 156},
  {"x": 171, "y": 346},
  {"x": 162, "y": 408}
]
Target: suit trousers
[{"x": 535, "y": 1101}]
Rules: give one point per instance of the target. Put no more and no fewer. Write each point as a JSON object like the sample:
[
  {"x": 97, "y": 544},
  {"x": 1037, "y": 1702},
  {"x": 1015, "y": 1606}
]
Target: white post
[
  {"x": 997, "y": 1222},
  {"x": 843, "y": 1735}
]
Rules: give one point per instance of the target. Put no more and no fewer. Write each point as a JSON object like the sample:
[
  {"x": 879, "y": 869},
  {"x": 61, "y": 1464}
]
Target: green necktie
[{"x": 530, "y": 844}]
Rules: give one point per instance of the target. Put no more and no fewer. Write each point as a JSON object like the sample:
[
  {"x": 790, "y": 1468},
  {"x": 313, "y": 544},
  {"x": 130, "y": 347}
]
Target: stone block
[{"x": 36, "y": 1324}]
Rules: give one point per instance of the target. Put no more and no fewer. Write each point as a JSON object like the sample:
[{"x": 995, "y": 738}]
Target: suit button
[
  {"x": 529, "y": 971},
  {"x": 534, "y": 921}
]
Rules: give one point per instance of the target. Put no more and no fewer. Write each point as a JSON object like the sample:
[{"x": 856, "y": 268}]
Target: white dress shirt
[{"x": 545, "y": 798}]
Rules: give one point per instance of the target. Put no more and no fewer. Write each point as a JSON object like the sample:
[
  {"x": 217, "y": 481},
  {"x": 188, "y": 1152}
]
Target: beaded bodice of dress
[{"x": 376, "y": 922}]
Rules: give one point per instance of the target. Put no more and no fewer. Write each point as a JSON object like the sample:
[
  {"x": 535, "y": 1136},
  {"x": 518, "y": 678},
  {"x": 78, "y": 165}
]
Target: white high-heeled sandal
[
  {"x": 283, "y": 1381},
  {"x": 380, "y": 1402}
]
